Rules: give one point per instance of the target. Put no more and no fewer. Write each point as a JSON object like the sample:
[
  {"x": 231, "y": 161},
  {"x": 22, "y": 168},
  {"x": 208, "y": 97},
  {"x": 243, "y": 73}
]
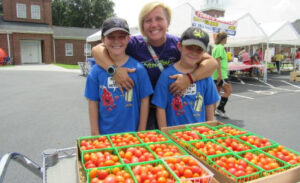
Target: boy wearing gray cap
[
  {"x": 197, "y": 103},
  {"x": 110, "y": 110}
]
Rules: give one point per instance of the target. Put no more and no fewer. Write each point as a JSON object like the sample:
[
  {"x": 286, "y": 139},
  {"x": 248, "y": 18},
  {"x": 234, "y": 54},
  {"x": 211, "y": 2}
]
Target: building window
[
  {"x": 21, "y": 10},
  {"x": 87, "y": 50},
  {"x": 69, "y": 49},
  {"x": 35, "y": 12}
]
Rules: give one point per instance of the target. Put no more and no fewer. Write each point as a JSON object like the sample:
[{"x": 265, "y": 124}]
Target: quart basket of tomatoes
[
  {"x": 208, "y": 132},
  {"x": 182, "y": 136},
  {"x": 285, "y": 154},
  {"x": 94, "y": 142},
  {"x": 153, "y": 171},
  {"x": 266, "y": 162},
  {"x": 188, "y": 169},
  {"x": 166, "y": 149},
  {"x": 205, "y": 148},
  {"x": 256, "y": 140},
  {"x": 135, "y": 153},
  {"x": 231, "y": 129},
  {"x": 100, "y": 158},
  {"x": 235, "y": 167},
  {"x": 124, "y": 139},
  {"x": 114, "y": 174},
  {"x": 152, "y": 136}
]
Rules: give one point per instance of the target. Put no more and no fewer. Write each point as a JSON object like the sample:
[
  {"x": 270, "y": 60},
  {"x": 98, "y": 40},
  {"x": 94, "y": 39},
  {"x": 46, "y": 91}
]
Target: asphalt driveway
[{"x": 41, "y": 109}]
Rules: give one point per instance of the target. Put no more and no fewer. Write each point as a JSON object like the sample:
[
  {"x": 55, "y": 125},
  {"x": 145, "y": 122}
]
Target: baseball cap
[
  {"x": 113, "y": 24},
  {"x": 195, "y": 36}
]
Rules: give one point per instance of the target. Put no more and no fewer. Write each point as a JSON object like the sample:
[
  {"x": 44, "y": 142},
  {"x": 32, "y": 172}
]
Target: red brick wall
[
  {"x": 78, "y": 51},
  {"x": 10, "y": 11},
  {"x": 3, "y": 41},
  {"x": 46, "y": 45}
]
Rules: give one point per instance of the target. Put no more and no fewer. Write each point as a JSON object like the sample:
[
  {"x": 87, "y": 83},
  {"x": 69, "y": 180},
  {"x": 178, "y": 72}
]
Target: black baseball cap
[
  {"x": 195, "y": 36},
  {"x": 113, "y": 24}
]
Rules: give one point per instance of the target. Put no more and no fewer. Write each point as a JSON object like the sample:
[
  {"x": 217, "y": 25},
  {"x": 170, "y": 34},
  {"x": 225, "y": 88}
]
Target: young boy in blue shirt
[
  {"x": 110, "y": 110},
  {"x": 197, "y": 103}
]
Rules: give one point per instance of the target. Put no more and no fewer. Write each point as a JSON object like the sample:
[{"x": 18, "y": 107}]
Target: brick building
[{"x": 28, "y": 36}]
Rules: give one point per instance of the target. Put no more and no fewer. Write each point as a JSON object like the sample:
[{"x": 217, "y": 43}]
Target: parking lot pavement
[
  {"x": 268, "y": 109},
  {"x": 41, "y": 110}
]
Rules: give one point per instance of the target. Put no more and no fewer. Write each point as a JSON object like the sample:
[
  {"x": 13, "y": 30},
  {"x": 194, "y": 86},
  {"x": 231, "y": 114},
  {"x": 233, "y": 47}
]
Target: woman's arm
[
  {"x": 93, "y": 114},
  {"x": 161, "y": 117},
  {"x": 209, "y": 109},
  {"x": 205, "y": 69},
  {"x": 103, "y": 59},
  {"x": 144, "y": 112}
]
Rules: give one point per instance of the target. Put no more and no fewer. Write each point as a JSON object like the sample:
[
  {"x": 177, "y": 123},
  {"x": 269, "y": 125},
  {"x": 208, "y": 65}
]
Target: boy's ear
[{"x": 179, "y": 46}]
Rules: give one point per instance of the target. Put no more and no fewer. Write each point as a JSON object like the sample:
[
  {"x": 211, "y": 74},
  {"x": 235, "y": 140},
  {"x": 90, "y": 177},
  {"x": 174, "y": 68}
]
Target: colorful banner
[{"x": 204, "y": 21}]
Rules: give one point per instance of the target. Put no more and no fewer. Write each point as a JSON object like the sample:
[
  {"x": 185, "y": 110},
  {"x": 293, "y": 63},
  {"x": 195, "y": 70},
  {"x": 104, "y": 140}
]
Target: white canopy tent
[
  {"x": 94, "y": 37},
  {"x": 282, "y": 33},
  {"x": 248, "y": 33}
]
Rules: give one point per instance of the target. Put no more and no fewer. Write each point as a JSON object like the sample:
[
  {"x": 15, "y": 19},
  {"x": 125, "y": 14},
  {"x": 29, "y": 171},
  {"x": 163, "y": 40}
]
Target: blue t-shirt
[
  {"x": 189, "y": 108},
  {"x": 167, "y": 54},
  {"x": 118, "y": 112}
]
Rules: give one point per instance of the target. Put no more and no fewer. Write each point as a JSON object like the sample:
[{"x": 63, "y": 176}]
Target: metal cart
[{"x": 55, "y": 162}]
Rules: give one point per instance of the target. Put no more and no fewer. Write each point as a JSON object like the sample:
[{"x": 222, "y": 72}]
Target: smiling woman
[{"x": 156, "y": 52}]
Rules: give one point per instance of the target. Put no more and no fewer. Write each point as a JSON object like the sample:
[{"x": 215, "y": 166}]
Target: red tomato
[{"x": 110, "y": 179}]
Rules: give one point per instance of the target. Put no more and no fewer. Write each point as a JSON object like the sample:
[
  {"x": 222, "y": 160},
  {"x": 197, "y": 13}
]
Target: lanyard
[{"x": 154, "y": 56}]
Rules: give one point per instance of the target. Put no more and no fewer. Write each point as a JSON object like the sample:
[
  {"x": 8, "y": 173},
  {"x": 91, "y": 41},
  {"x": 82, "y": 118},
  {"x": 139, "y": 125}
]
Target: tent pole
[
  {"x": 294, "y": 55},
  {"x": 266, "y": 65}
]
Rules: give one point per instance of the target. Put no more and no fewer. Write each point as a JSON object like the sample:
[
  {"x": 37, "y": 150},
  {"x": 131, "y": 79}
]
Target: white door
[{"x": 31, "y": 52}]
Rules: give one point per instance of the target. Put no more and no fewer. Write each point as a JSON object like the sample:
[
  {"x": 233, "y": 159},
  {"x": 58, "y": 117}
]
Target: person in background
[
  {"x": 298, "y": 59},
  {"x": 244, "y": 56},
  {"x": 279, "y": 57},
  {"x": 110, "y": 110},
  {"x": 197, "y": 104},
  {"x": 220, "y": 75},
  {"x": 156, "y": 50}
]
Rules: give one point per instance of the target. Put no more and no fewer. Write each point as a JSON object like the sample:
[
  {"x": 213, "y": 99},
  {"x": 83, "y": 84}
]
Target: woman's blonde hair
[
  {"x": 148, "y": 8},
  {"x": 220, "y": 37}
]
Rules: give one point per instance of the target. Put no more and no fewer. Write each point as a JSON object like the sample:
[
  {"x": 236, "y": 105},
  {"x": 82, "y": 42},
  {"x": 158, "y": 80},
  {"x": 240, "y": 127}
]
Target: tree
[
  {"x": 81, "y": 13},
  {"x": 1, "y": 9}
]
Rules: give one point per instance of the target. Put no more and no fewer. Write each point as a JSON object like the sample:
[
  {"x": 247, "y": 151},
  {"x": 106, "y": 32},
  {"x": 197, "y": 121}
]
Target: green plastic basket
[
  {"x": 238, "y": 140},
  {"x": 157, "y": 133},
  {"x": 183, "y": 142},
  {"x": 155, "y": 163},
  {"x": 234, "y": 127},
  {"x": 212, "y": 161},
  {"x": 112, "y": 151},
  {"x": 260, "y": 137},
  {"x": 203, "y": 179},
  {"x": 180, "y": 150},
  {"x": 282, "y": 165},
  {"x": 216, "y": 133},
  {"x": 110, "y": 170},
  {"x": 201, "y": 154},
  {"x": 266, "y": 149},
  {"x": 111, "y": 136},
  {"x": 91, "y": 138},
  {"x": 137, "y": 145}
]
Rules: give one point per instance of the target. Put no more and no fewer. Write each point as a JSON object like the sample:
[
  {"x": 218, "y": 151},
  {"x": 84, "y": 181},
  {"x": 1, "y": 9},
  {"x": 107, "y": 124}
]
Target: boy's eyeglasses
[{"x": 194, "y": 48}]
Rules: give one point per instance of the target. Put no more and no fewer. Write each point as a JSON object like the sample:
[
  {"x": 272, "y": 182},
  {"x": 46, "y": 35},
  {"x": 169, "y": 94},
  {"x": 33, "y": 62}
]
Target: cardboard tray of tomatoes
[
  {"x": 116, "y": 154},
  {"x": 291, "y": 174}
]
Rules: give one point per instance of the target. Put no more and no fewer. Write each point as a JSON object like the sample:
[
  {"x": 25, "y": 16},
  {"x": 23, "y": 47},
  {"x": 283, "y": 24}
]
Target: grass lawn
[
  {"x": 67, "y": 66},
  {"x": 6, "y": 65}
]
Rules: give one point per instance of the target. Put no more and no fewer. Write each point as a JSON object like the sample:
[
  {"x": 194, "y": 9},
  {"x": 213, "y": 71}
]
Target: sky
[{"x": 263, "y": 11}]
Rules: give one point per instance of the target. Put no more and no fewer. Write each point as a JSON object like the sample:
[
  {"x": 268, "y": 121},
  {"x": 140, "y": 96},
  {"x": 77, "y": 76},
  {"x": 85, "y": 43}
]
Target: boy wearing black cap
[
  {"x": 110, "y": 110},
  {"x": 197, "y": 103}
]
